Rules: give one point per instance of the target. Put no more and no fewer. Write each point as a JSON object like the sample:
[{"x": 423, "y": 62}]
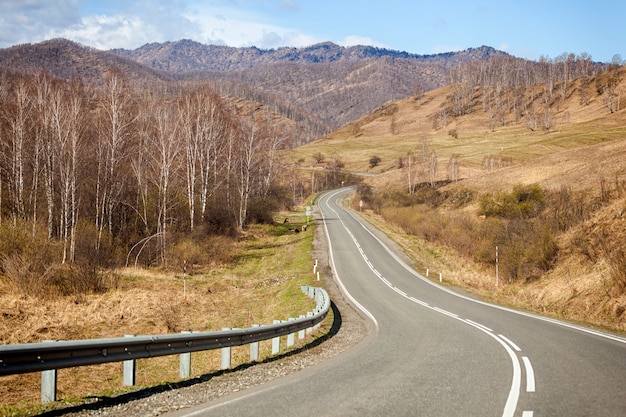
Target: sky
[{"x": 529, "y": 29}]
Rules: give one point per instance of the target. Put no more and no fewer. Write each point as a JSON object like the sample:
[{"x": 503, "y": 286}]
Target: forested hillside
[
  {"x": 89, "y": 171},
  {"x": 320, "y": 88}
]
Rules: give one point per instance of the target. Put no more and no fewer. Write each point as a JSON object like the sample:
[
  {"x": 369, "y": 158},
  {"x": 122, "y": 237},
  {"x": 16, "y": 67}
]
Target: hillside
[
  {"x": 578, "y": 161},
  {"x": 325, "y": 85},
  {"x": 320, "y": 88},
  {"x": 66, "y": 59}
]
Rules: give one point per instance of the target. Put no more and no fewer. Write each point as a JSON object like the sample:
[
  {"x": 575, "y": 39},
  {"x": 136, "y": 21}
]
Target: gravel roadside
[{"x": 347, "y": 329}]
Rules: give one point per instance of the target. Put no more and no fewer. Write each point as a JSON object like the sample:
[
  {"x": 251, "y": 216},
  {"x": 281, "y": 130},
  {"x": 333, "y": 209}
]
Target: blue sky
[{"x": 528, "y": 29}]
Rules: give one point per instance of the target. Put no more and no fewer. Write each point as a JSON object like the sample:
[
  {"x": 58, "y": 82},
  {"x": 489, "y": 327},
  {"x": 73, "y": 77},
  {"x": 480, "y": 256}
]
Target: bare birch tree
[
  {"x": 16, "y": 113},
  {"x": 67, "y": 113},
  {"x": 203, "y": 123},
  {"x": 117, "y": 119},
  {"x": 249, "y": 142},
  {"x": 165, "y": 150},
  {"x": 45, "y": 153},
  {"x": 432, "y": 168}
]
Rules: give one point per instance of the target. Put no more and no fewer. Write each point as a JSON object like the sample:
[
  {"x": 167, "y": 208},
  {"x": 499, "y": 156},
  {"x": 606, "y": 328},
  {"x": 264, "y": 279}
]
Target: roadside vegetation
[{"x": 252, "y": 279}]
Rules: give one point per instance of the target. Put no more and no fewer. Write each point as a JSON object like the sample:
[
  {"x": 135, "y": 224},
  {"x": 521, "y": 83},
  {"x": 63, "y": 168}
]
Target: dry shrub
[
  {"x": 526, "y": 240},
  {"x": 36, "y": 278},
  {"x": 419, "y": 221},
  {"x": 186, "y": 250},
  {"x": 614, "y": 253},
  {"x": 83, "y": 278},
  {"x": 212, "y": 250},
  {"x": 524, "y": 201},
  {"x": 221, "y": 249},
  {"x": 27, "y": 276},
  {"x": 170, "y": 315},
  {"x": 616, "y": 258},
  {"x": 460, "y": 233},
  {"x": 26, "y": 260},
  {"x": 566, "y": 208}
]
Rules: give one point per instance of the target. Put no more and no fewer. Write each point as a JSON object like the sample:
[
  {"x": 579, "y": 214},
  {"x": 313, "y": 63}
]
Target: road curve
[{"x": 436, "y": 353}]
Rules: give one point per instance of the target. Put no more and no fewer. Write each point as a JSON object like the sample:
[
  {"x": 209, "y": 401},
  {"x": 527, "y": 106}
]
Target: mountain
[
  {"x": 320, "y": 88},
  {"x": 327, "y": 85},
  {"x": 187, "y": 55},
  {"x": 65, "y": 59}
]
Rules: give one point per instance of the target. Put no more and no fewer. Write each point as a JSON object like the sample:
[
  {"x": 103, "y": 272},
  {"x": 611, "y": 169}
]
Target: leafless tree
[
  {"x": 116, "y": 124},
  {"x": 45, "y": 155},
  {"x": 454, "y": 168},
  {"x": 432, "y": 168},
  {"x": 16, "y": 111},
  {"x": 68, "y": 119},
  {"x": 165, "y": 148},
  {"x": 249, "y": 147}
]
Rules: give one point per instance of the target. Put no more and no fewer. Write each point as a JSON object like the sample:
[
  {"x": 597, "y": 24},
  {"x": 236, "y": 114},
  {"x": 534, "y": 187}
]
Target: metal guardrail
[{"x": 33, "y": 357}]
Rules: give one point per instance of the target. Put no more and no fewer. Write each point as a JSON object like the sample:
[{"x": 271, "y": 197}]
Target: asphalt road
[{"x": 437, "y": 353}]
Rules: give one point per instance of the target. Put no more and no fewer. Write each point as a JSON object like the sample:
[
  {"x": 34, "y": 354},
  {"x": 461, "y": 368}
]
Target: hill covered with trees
[{"x": 320, "y": 88}]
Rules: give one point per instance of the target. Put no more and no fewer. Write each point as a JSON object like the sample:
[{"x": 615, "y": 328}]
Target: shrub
[
  {"x": 524, "y": 201},
  {"x": 374, "y": 161},
  {"x": 28, "y": 276}
]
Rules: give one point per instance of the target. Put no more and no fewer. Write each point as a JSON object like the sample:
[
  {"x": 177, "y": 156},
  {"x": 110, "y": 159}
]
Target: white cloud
[
  {"x": 107, "y": 32},
  {"x": 237, "y": 28},
  {"x": 23, "y": 21},
  {"x": 353, "y": 40},
  {"x": 106, "y": 26}
]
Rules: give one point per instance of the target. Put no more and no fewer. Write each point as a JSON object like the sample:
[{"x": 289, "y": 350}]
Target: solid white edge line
[
  {"x": 527, "y": 414},
  {"x": 530, "y": 375}
]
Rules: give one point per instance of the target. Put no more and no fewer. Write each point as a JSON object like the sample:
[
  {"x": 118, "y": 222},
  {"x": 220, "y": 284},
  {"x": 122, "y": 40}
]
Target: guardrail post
[
  {"x": 254, "y": 349},
  {"x": 301, "y": 333},
  {"x": 130, "y": 368},
  {"x": 291, "y": 336},
  {"x": 226, "y": 357},
  {"x": 185, "y": 362},
  {"x": 276, "y": 342},
  {"x": 309, "y": 329},
  {"x": 49, "y": 384}
]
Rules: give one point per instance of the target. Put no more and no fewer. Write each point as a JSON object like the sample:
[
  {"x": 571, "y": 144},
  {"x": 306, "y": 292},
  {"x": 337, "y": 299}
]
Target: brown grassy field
[{"x": 261, "y": 284}]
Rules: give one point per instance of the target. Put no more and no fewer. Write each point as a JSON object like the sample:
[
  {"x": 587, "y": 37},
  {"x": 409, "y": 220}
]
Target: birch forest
[{"x": 112, "y": 173}]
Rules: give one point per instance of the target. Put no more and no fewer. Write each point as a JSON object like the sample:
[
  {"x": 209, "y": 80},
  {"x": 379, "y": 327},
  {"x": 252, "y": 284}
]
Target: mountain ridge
[
  {"x": 66, "y": 59},
  {"x": 187, "y": 55}
]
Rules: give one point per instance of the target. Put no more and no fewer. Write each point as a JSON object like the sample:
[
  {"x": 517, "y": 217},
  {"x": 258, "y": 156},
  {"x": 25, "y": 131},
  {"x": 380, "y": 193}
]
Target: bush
[
  {"x": 374, "y": 161},
  {"x": 201, "y": 250},
  {"x": 524, "y": 201},
  {"x": 28, "y": 276}
]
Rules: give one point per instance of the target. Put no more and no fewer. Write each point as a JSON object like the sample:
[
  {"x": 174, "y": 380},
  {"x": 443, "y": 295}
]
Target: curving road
[{"x": 436, "y": 353}]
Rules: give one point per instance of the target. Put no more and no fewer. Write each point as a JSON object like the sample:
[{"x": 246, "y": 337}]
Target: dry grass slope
[{"x": 583, "y": 151}]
